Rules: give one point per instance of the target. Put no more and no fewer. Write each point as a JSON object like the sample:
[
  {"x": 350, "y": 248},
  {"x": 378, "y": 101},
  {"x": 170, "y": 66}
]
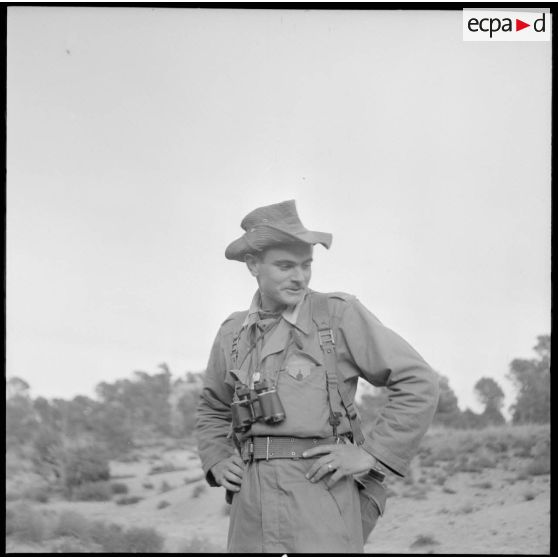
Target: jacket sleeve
[
  {"x": 213, "y": 418},
  {"x": 385, "y": 359}
]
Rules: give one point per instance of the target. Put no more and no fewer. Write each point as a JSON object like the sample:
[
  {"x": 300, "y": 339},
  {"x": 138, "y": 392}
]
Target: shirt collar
[{"x": 297, "y": 316}]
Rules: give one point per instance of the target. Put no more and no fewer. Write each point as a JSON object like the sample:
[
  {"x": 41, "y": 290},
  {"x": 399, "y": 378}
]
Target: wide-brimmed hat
[{"x": 273, "y": 225}]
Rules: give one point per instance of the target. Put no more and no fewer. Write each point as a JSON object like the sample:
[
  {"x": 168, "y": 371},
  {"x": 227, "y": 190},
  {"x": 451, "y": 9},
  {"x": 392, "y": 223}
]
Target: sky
[{"x": 138, "y": 138}]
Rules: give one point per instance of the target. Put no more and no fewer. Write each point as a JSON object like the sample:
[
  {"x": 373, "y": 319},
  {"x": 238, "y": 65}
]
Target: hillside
[{"x": 477, "y": 492}]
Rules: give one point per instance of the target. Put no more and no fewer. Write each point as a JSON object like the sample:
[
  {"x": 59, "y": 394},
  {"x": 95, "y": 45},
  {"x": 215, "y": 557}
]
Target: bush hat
[{"x": 273, "y": 225}]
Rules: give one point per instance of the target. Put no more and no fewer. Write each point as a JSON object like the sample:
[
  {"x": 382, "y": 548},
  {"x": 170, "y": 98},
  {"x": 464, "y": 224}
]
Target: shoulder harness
[{"x": 321, "y": 317}]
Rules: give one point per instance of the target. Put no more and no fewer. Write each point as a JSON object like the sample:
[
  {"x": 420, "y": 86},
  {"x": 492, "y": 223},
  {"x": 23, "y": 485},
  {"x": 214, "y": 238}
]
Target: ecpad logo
[{"x": 485, "y": 25}]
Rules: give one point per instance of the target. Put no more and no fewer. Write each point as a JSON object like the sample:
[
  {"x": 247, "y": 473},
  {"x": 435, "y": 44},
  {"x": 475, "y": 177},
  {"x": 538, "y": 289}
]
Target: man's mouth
[{"x": 295, "y": 290}]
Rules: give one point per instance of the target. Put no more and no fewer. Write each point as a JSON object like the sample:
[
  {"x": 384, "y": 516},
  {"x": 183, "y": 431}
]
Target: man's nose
[{"x": 298, "y": 275}]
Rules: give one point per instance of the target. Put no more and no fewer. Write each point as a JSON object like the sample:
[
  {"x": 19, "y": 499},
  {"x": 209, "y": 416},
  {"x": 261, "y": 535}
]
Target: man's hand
[
  {"x": 228, "y": 473},
  {"x": 340, "y": 460}
]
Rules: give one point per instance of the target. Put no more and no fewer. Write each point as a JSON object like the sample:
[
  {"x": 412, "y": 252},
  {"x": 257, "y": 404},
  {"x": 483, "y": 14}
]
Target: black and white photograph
[{"x": 278, "y": 279}]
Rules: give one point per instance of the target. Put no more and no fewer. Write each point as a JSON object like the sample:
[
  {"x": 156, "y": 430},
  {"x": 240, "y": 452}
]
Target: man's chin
[{"x": 293, "y": 296}]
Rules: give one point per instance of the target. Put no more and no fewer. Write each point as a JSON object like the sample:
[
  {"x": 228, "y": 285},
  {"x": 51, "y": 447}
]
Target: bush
[
  {"x": 539, "y": 466},
  {"x": 424, "y": 540},
  {"x": 110, "y": 537},
  {"x": 445, "y": 454},
  {"x": 92, "y": 492},
  {"x": 162, "y": 468},
  {"x": 119, "y": 488},
  {"x": 529, "y": 495},
  {"x": 199, "y": 545},
  {"x": 72, "y": 524},
  {"x": 70, "y": 545},
  {"x": 127, "y": 500},
  {"x": 198, "y": 490},
  {"x": 25, "y": 523},
  {"x": 162, "y": 504},
  {"x": 196, "y": 478},
  {"x": 148, "y": 485},
  {"x": 85, "y": 465},
  {"x": 143, "y": 540},
  {"x": 483, "y": 462},
  {"x": 165, "y": 487},
  {"x": 37, "y": 493},
  {"x": 115, "y": 540}
]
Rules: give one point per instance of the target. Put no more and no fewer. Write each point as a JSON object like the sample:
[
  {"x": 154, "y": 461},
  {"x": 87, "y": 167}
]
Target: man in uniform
[{"x": 276, "y": 423}]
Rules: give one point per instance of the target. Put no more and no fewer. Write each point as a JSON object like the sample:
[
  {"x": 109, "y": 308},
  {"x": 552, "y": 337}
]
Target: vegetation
[
  {"x": 58, "y": 448},
  {"x": 71, "y": 532},
  {"x": 92, "y": 492},
  {"x": 128, "y": 500},
  {"x": 532, "y": 379},
  {"x": 530, "y": 376}
]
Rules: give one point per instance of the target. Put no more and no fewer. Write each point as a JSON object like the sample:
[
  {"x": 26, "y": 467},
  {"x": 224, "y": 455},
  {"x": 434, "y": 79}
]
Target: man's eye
[{"x": 284, "y": 267}]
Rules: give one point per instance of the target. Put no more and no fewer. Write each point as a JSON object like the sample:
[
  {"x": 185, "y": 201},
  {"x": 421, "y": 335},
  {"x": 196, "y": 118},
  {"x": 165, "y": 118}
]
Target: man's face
[{"x": 283, "y": 274}]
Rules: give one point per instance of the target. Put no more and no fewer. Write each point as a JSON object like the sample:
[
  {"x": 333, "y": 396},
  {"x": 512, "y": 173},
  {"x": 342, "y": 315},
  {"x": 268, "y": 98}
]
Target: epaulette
[
  {"x": 341, "y": 296},
  {"x": 235, "y": 316}
]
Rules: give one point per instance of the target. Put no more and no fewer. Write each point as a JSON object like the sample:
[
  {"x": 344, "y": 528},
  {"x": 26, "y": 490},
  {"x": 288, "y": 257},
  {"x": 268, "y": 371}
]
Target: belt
[{"x": 282, "y": 447}]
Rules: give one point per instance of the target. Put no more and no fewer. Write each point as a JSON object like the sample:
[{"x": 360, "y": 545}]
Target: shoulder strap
[{"x": 320, "y": 315}]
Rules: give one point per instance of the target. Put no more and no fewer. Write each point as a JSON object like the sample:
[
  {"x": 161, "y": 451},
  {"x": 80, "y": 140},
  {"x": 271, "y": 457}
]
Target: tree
[
  {"x": 532, "y": 379},
  {"x": 490, "y": 394},
  {"x": 447, "y": 411},
  {"x": 21, "y": 421}
]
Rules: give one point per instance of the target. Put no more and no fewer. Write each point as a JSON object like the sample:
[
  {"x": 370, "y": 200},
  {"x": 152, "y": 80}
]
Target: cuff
[{"x": 385, "y": 457}]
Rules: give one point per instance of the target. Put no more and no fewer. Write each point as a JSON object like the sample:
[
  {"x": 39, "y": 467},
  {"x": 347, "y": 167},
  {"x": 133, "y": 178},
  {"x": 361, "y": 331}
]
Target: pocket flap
[{"x": 374, "y": 490}]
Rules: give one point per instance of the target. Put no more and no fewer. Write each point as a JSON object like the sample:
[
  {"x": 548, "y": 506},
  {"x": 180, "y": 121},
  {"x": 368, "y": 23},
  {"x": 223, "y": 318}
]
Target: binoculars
[{"x": 260, "y": 403}]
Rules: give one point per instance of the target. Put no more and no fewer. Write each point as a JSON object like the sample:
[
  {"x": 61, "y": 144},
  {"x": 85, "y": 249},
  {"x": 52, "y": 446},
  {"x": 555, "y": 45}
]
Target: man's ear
[{"x": 252, "y": 264}]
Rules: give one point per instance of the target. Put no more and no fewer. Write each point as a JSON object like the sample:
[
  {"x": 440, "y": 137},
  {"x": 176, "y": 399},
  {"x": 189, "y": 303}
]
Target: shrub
[
  {"x": 485, "y": 485},
  {"x": 196, "y": 478},
  {"x": 529, "y": 495},
  {"x": 199, "y": 545},
  {"x": 110, "y": 537},
  {"x": 143, "y": 540},
  {"x": 72, "y": 524},
  {"x": 86, "y": 464},
  {"x": 92, "y": 492},
  {"x": 483, "y": 462},
  {"x": 37, "y": 493},
  {"x": 539, "y": 466},
  {"x": 424, "y": 540},
  {"x": 166, "y": 467},
  {"x": 445, "y": 453},
  {"x": 127, "y": 500},
  {"x": 119, "y": 488},
  {"x": 25, "y": 523},
  {"x": 466, "y": 508},
  {"x": 162, "y": 504},
  {"x": 198, "y": 490},
  {"x": 70, "y": 545},
  {"x": 148, "y": 485},
  {"x": 449, "y": 490},
  {"x": 165, "y": 487}
]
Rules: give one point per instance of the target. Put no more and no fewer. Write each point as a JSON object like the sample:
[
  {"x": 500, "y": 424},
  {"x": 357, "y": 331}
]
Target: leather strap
[{"x": 320, "y": 315}]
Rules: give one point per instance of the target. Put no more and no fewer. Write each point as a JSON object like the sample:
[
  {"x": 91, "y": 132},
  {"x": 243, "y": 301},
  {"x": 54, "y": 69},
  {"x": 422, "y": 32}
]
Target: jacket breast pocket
[{"x": 299, "y": 367}]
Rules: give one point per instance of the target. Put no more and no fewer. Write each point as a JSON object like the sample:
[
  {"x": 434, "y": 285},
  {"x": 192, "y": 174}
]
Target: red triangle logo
[{"x": 519, "y": 25}]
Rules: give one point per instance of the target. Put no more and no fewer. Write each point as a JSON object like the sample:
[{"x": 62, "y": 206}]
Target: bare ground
[{"x": 488, "y": 512}]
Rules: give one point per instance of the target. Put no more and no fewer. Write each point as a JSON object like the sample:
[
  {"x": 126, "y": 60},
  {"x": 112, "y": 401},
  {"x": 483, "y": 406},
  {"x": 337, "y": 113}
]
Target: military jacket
[{"x": 291, "y": 357}]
